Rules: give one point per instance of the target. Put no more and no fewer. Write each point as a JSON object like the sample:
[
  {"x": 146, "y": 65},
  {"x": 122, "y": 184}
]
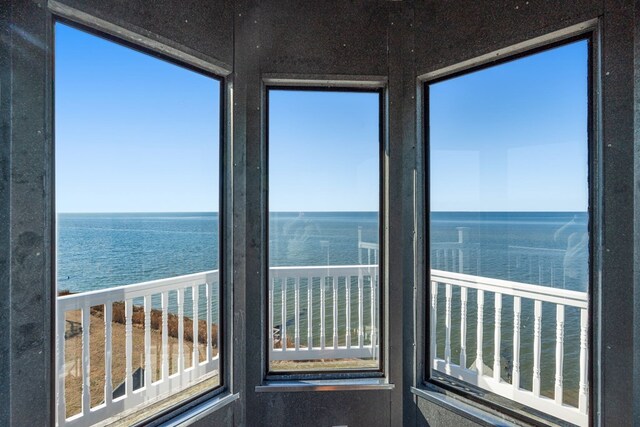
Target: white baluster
[
  {"x": 434, "y": 320},
  {"x": 334, "y": 300},
  {"x": 165, "y": 335},
  {"x": 559, "y": 352},
  {"x": 108, "y": 322},
  {"x": 270, "y": 316},
  {"x": 515, "y": 381},
  {"x": 147, "y": 341},
  {"x": 283, "y": 318},
  {"x": 447, "y": 327},
  {"x": 537, "y": 330},
  {"x": 128, "y": 304},
  {"x": 360, "y": 309},
  {"x": 322, "y": 312},
  {"x": 86, "y": 368},
  {"x": 497, "y": 335},
  {"x": 297, "y": 313},
  {"x": 180, "y": 300},
  {"x": 480, "y": 332},
  {"x": 209, "y": 299},
  {"x": 347, "y": 297},
  {"x": 463, "y": 327},
  {"x": 583, "y": 394},
  {"x": 60, "y": 344},
  {"x": 195, "y": 291},
  {"x": 374, "y": 329},
  {"x": 310, "y": 313}
]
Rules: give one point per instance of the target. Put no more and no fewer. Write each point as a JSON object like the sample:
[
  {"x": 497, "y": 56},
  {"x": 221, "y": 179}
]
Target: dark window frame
[
  {"x": 382, "y": 285},
  {"x": 450, "y": 386},
  {"x": 189, "y": 403}
]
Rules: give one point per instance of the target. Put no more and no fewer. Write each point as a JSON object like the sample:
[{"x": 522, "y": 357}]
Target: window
[
  {"x": 138, "y": 231},
  {"x": 324, "y": 230},
  {"x": 509, "y": 231}
]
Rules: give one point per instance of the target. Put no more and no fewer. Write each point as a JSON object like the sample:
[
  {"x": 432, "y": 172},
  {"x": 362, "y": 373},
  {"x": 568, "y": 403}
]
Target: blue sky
[
  {"x": 137, "y": 134},
  {"x": 133, "y": 133},
  {"x": 324, "y": 151},
  {"x": 512, "y": 137}
]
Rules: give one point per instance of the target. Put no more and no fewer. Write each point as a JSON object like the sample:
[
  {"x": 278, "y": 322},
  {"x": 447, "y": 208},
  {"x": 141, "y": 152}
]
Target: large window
[
  {"x": 324, "y": 230},
  {"x": 138, "y": 231},
  {"x": 509, "y": 231}
]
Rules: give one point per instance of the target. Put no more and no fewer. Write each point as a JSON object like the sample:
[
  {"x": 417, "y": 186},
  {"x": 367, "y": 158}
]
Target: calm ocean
[{"x": 97, "y": 251}]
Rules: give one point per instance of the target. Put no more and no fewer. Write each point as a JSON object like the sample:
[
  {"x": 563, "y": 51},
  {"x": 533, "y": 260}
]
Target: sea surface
[{"x": 98, "y": 251}]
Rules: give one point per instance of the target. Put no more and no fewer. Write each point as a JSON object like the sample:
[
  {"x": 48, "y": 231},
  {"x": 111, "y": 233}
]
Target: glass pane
[
  {"x": 509, "y": 253},
  {"x": 324, "y": 199},
  {"x": 137, "y": 182}
]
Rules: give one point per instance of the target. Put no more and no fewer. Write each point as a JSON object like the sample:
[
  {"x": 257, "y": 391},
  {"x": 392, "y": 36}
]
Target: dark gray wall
[
  {"x": 26, "y": 176},
  {"x": 297, "y": 39},
  {"x": 396, "y": 40},
  {"x": 441, "y": 42},
  {"x": 205, "y": 26},
  {"x": 5, "y": 117}
]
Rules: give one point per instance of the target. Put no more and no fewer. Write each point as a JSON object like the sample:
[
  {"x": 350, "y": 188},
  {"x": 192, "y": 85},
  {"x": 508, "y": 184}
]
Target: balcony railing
[
  {"x": 115, "y": 401},
  {"x": 341, "y": 292},
  {"x": 493, "y": 379},
  {"x": 344, "y": 297}
]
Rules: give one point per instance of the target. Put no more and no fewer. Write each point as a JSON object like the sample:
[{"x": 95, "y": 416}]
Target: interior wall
[
  {"x": 205, "y": 27},
  {"x": 299, "y": 40},
  {"x": 399, "y": 40},
  {"x": 441, "y": 41},
  {"x": 26, "y": 173}
]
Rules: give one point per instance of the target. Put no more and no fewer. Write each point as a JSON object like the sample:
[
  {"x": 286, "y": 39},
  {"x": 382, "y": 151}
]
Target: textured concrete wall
[
  {"x": 26, "y": 177},
  {"x": 297, "y": 39},
  {"x": 205, "y": 26},
  {"x": 396, "y": 40}
]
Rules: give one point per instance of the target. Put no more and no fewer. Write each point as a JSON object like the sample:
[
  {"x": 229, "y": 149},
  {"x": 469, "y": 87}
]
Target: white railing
[
  {"x": 291, "y": 295},
  {"x": 330, "y": 313},
  {"x": 491, "y": 379},
  {"x": 149, "y": 391}
]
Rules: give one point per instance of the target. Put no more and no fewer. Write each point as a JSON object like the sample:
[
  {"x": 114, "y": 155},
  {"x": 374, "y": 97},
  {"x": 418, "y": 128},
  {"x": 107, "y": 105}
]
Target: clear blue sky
[
  {"x": 133, "y": 133},
  {"x": 512, "y": 137},
  {"x": 324, "y": 151},
  {"x": 137, "y": 134}
]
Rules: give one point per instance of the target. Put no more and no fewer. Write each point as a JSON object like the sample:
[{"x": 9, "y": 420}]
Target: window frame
[
  {"x": 221, "y": 394},
  {"x": 377, "y": 86},
  {"x": 428, "y": 385}
]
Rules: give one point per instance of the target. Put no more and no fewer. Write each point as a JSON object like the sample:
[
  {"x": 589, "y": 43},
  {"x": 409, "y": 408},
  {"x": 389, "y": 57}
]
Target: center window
[{"x": 324, "y": 229}]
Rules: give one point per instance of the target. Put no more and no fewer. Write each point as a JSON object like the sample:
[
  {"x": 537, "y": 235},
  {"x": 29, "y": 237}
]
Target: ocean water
[{"x": 97, "y": 251}]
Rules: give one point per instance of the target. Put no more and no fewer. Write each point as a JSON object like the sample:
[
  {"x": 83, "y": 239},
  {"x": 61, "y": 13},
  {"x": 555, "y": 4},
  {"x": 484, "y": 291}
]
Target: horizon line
[{"x": 313, "y": 211}]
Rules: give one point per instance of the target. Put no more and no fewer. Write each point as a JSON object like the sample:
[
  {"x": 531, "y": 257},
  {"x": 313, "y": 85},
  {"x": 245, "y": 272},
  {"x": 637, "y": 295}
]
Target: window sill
[
  {"x": 460, "y": 408},
  {"x": 202, "y": 410},
  {"x": 324, "y": 385}
]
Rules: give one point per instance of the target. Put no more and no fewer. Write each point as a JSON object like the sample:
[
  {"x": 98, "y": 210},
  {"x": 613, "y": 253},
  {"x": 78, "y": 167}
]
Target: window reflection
[
  {"x": 509, "y": 249},
  {"x": 323, "y": 229}
]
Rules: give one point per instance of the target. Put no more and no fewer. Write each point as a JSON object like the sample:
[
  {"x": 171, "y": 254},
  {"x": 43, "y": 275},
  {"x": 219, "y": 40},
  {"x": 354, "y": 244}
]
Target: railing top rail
[
  {"x": 330, "y": 270},
  {"x": 120, "y": 293},
  {"x": 507, "y": 287},
  {"x": 534, "y": 250},
  {"x": 368, "y": 245}
]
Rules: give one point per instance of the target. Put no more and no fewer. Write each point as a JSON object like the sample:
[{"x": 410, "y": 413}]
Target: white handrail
[
  {"x": 478, "y": 374},
  {"x": 506, "y": 287},
  {"x": 149, "y": 391}
]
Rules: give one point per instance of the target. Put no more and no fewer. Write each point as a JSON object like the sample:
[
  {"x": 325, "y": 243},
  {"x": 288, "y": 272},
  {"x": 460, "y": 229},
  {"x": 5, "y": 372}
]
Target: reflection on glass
[
  {"x": 509, "y": 250},
  {"x": 324, "y": 188},
  {"x": 137, "y": 171}
]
